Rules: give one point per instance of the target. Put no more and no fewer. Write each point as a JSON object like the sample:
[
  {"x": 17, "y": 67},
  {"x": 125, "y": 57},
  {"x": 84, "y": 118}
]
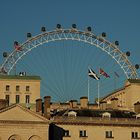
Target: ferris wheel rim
[{"x": 72, "y": 34}]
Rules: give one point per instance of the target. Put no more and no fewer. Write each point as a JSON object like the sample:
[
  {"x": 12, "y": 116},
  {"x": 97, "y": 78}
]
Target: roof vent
[{"x": 106, "y": 115}]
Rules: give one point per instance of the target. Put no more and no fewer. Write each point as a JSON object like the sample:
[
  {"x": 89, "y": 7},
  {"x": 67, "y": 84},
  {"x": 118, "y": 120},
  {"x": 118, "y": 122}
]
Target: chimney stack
[
  {"x": 103, "y": 105},
  {"x": 47, "y": 100},
  {"x": 114, "y": 103},
  {"x": 3, "y": 103},
  {"x": 73, "y": 103},
  {"x": 84, "y": 102},
  {"x": 39, "y": 105},
  {"x": 137, "y": 107}
]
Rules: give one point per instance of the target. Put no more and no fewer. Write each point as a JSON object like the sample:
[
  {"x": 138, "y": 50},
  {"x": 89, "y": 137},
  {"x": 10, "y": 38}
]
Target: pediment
[{"x": 19, "y": 113}]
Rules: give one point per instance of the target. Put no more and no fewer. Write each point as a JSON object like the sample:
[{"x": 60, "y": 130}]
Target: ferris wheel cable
[
  {"x": 73, "y": 70},
  {"x": 62, "y": 65},
  {"x": 44, "y": 85},
  {"x": 55, "y": 81},
  {"x": 42, "y": 82},
  {"x": 77, "y": 84},
  {"x": 104, "y": 63},
  {"x": 65, "y": 69},
  {"x": 84, "y": 59},
  {"x": 69, "y": 54},
  {"x": 76, "y": 64},
  {"x": 57, "y": 87},
  {"x": 53, "y": 92},
  {"x": 80, "y": 74}
]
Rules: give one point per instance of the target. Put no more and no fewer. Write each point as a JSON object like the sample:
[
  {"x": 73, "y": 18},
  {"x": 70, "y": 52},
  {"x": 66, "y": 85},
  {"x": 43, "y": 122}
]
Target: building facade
[
  {"x": 124, "y": 98},
  {"x": 100, "y": 129},
  {"x": 20, "y": 89},
  {"x": 20, "y": 123},
  {"x": 113, "y": 120}
]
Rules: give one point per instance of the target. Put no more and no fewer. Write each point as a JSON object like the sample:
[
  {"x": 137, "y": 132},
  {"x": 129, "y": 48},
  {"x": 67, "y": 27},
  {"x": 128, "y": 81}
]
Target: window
[
  {"x": 7, "y": 87},
  {"x": 134, "y": 135},
  {"x": 17, "y": 88},
  {"x": 66, "y": 133},
  {"x": 109, "y": 134},
  {"x": 17, "y": 99},
  {"x": 27, "y": 88},
  {"x": 7, "y": 97},
  {"x": 82, "y": 133},
  {"x": 27, "y": 99}
]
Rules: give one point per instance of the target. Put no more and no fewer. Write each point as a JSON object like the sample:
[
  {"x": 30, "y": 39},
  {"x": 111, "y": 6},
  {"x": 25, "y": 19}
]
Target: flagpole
[
  {"x": 98, "y": 94},
  {"x": 88, "y": 84},
  {"x": 99, "y": 91},
  {"x": 114, "y": 81},
  {"x": 88, "y": 88}
]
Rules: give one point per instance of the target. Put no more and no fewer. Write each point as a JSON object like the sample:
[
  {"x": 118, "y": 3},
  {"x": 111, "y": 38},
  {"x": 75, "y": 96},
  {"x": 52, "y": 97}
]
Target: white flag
[{"x": 92, "y": 74}]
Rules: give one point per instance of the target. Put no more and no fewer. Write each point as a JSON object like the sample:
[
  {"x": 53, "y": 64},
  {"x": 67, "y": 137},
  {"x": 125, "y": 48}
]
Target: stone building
[
  {"x": 98, "y": 124},
  {"x": 114, "y": 120},
  {"x": 20, "y": 89},
  {"x": 123, "y": 98},
  {"x": 20, "y": 123}
]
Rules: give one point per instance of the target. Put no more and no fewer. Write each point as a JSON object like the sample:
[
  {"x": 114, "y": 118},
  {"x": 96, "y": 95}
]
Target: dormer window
[
  {"x": 72, "y": 114},
  {"x": 106, "y": 115}
]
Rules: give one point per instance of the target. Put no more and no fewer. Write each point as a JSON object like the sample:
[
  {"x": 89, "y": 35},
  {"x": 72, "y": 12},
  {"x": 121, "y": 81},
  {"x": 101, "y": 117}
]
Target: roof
[
  {"x": 121, "y": 122},
  {"x": 98, "y": 113},
  {"x": 113, "y": 92},
  {"x": 122, "y": 88},
  {"x": 31, "y": 77},
  {"x": 134, "y": 80},
  {"x": 9, "y": 112}
]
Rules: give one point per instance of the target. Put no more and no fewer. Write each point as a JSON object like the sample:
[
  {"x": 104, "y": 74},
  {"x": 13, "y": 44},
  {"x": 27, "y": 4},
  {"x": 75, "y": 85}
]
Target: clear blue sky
[{"x": 59, "y": 68}]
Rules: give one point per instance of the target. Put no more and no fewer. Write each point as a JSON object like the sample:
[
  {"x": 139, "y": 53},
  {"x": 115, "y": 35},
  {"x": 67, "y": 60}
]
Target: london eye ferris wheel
[{"x": 62, "y": 58}]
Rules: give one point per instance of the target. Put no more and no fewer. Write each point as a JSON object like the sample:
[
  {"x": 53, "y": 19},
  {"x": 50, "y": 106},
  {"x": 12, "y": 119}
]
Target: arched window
[
  {"x": 14, "y": 137},
  {"x": 35, "y": 137}
]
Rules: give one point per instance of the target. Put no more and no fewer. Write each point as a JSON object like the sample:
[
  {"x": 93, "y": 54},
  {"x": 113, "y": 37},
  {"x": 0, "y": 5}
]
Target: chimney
[
  {"x": 39, "y": 105},
  {"x": 137, "y": 107},
  {"x": 3, "y": 103},
  {"x": 47, "y": 107},
  {"x": 73, "y": 103},
  {"x": 84, "y": 102},
  {"x": 114, "y": 103},
  {"x": 103, "y": 105}
]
